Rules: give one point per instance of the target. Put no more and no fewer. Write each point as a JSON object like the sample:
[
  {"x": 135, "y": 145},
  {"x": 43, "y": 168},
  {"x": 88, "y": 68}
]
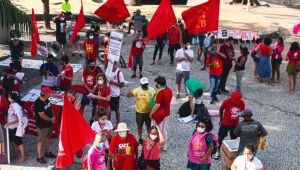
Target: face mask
[
  {"x": 102, "y": 122},
  {"x": 153, "y": 137},
  {"x": 100, "y": 82},
  {"x": 101, "y": 145},
  {"x": 189, "y": 47},
  {"x": 200, "y": 129},
  {"x": 122, "y": 134},
  {"x": 92, "y": 67},
  {"x": 144, "y": 86},
  {"x": 91, "y": 37}
]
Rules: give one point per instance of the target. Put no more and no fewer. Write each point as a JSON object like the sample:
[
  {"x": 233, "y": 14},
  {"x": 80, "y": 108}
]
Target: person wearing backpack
[
  {"x": 14, "y": 123},
  {"x": 202, "y": 145},
  {"x": 116, "y": 83}
]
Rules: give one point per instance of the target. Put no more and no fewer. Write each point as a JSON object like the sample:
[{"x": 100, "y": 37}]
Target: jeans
[
  {"x": 173, "y": 48},
  {"x": 226, "y": 70},
  {"x": 159, "y": 46},
  {"x": 214, "y": 84}
]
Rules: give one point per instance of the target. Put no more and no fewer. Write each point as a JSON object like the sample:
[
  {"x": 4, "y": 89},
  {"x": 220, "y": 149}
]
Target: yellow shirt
[{"x": 143, "y": 98}]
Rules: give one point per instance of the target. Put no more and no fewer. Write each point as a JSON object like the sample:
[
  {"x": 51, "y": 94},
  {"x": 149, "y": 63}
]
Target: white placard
[
  {"x": 249, "y": 36},
  {"x": 231, "y": 33},
  {"x": 237, "y": 34},
  {"x": 224, "y": 34}
]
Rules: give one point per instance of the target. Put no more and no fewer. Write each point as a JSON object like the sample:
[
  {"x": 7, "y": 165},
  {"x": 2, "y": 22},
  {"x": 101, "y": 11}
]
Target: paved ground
[{"x": 273, "y": 107}]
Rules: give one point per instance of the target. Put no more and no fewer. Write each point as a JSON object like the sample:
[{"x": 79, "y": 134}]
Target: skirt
[
  {"x": 291, "y": 69},
  {"x": 264, "y": 67},
  {"x": 194, "y": 166}
]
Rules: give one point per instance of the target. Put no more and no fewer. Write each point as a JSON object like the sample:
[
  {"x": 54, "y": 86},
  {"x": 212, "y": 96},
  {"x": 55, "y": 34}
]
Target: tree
[
  {"x": 13, "y": 17},
  {"x": 46, "y": 17}
]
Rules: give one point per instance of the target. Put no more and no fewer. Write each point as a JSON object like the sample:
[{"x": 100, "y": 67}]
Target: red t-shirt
[
  {"x": 103, "y": 91},
  {"x": 265, "y": 50},
  {"x": 174, "y": 35},
  {"x": 91, "y": 47},
  {"x": 230, "y": 116},
  {"x": 3, "y": 108},
  {"x": 68, "y": 72},
  {"x": 138, "y": 48},
  {"x": 164, "y": 98},
  {"x": 89, "y": 77},
  {"x": 216, "y": 69},
  {"x": 293, "y": 56},
  {"x": 124, "y": 150},
  {"x": 16, "y": 87}
]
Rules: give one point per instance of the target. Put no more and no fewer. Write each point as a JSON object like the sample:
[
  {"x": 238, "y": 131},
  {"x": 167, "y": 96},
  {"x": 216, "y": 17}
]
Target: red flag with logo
[
  {"x": 75, "y": 133},
  {"x": 80, "y": 23},
  {"x": 203, "y": 17},
  {"x": 35, "y": 36},
  {"x": 113, "y": 11},
  {"x": 162, "y": 20}
]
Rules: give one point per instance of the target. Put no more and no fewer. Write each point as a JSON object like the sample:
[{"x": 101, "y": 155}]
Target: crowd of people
[{"x": 114, "y": 145}]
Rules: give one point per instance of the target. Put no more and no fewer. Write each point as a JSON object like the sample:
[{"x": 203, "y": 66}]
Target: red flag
[
  {"x": 75, "y": 133},
  {"x": 296, "y": 28},
  {"x": 162, "y": 20},
  {"x": 35, "y": 37},
  {"x": 113, "y": 11},
  {"x": 203, "y": 17},
  {"x": 80, "y": 23}
]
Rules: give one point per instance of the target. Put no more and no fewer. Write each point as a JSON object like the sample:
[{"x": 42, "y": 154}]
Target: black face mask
[
  {"x": 144, "y": 86},
  {"x": 92, "y": 67}
]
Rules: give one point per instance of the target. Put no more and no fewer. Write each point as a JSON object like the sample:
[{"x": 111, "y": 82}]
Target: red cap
[
  {"x": 46, "y": 90},
  {"x": 237, "y": 96}
]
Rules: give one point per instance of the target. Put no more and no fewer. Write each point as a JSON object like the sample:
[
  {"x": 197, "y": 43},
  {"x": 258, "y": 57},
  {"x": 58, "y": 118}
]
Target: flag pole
[{"x": 248, "y": 4}]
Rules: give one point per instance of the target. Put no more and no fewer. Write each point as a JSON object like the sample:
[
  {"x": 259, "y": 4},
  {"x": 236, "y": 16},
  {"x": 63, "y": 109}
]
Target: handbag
[{"x": 142, "y": 162}]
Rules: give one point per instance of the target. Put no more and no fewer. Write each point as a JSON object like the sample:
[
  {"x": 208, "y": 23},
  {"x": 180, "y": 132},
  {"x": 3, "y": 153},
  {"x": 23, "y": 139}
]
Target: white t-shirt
[
  {"x": 96, "y": 128},
  {"x": 184, "y": 65},
  {"x": 199, "y": 100},
  {"x": 241, "y": 164},
  {"x": 14, "y": 111},
  {"x": 115, "y": 90}
]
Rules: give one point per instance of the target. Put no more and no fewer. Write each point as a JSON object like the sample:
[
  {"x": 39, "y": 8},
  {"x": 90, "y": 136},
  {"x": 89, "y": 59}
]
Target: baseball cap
[
  {"x": 144, "y": 80},
  {"x": 46, "y": 90},
  {"x": 246, "y": 112}
]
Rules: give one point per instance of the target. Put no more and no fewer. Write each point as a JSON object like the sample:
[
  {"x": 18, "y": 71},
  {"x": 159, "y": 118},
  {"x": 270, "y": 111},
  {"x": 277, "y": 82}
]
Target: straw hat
[{"x": 121, "y": 127}]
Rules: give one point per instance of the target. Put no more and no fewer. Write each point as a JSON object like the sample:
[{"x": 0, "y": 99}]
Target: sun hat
[
  {"x": 144, "y": 80},
  {"x": 121, "y": 127}
]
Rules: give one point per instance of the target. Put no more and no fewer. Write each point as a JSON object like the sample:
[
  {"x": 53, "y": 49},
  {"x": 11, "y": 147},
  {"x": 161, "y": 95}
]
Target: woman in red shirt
[
  {"x": 292, "y": 56},
  {"x": 103, "y": 94},
  {"x": 264, "y": 65},
  {"x": 66, "y": 75},
  {"x": 277, "y": 59}
]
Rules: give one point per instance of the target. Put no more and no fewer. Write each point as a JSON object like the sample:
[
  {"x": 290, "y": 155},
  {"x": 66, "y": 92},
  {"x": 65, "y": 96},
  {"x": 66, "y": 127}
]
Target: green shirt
[{"x": 66, "y": 7}]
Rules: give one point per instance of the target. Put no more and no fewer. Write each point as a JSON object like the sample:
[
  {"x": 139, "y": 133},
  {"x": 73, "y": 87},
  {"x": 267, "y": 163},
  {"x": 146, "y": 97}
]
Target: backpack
[
  {"x": 216, "y": 143},
  {"x": 184, "y": 110}
]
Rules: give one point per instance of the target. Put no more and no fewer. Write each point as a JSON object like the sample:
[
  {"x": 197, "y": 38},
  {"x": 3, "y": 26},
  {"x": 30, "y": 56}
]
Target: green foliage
[{"x": 13, "y": 17}]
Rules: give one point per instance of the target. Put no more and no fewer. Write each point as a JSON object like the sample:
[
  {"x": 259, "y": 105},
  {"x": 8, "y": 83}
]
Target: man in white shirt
[
  {"x": 116, "y": 83},
  {"x": 184, "y": 58}
]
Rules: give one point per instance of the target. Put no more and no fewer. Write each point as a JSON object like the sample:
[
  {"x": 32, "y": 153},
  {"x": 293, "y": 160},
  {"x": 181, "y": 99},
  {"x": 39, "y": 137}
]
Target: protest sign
[
  {"x": 256, "y": 35},
  {"x": 224, "y": 34},
  {"x": 231, "y": 33},
  {"x": 244, "y": 36},
  {"x": 249, "y": 36},
  {"x": 237, "y": 34}
]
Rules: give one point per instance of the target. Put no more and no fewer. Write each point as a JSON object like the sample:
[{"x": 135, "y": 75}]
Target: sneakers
[
  {"x": 133, "y": 76},
  {"x": 50, "y": 155},
  {"x": 216, "y": 99},
  {"x": 152, "y": 63},
  {"x": 141, "y": 141},
  {"x": 217, "y": 156},
  {"x": 41, "y": 160}
]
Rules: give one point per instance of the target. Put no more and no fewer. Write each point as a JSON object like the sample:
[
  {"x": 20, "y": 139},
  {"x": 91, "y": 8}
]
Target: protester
[
  {"x": 228, "y": 50},
  {"x": 160, "y": 42},
  {"x": 96, "y": 30},
  {"x": 184, "y": 57},
  {"x": 116, "y": 83},
  {"x": 229, "y": 119},
  {"x": 247, "y": 160},
  {"x": 138, "y": 21},
  {"x": 16, "y": 47},
  {"x": 208, "y": 43},
  {"x": 264, "y": 65},
  {"x": 215, "y": 64},
  {"x": 123, "y": 149},
  {"x": 103, "y": 94},
  {"x": 91, "y": 47},
  {"x": 66, "y": 8},
  {"x": 131, "y": 22},
  {"x": 49, "y": 71},
  {"x": 151, "y": 148},
  {"x": 143, "y": 97},
  {"x": 277, "y": 59},
  {"x": 198, "y": 109},
  {"x": 160, "y": 112},
  {"x": 13, "y": 77},
  {"x": 66, "y": 75},
  {"x": 15, "y": 124},
  {"x": 292, "y": 57},
  {"x": 174, "y": 37},
  {"x": 255, "y": 54},
  {"x": 3, "y": 106},
  {"x": 96, "y": 154},
  {"x": 71, "y": 94},
  {"x": 61, "y": 25},
  {"x": 44, "y": 120},
  {"x": 75, "y": 45},
  {"x": 249, "y": 131},
  {"x": 240, "y": 67},
  {"x": 138, "y": 48},
  {"x": 201, "y": 146},
  {"x": 89, "y": 78}
]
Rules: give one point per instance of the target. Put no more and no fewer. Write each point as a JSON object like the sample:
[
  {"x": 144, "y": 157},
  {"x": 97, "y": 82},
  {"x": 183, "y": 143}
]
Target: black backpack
[{"x": 185, "y": 109}]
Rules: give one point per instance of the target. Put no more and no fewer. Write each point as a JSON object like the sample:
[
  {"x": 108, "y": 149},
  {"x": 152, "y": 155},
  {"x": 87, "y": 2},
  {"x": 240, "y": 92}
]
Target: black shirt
[
  {"x": 16, "y": 49},
  {"x": 40, "y": 106},
  {"x": 60, "y": 27}
]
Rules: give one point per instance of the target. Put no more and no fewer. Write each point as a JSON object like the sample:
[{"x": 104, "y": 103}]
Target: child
[
  {"x": 240, "y": 67},
  {"x": 96, "y": 154}
]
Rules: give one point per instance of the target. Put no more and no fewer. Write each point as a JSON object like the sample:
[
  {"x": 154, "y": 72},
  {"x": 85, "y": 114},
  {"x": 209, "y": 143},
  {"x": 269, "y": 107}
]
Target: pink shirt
[
  {"x": 96, "y": 158},
  {"x": 197, "y": 149},
  {"x": 277, "y": 51}
]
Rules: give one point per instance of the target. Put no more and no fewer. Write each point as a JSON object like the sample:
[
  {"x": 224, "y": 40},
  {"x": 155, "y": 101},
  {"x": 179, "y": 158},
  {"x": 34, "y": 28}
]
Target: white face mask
[
  {"x": 91, "y": 37},
  {"x": 189, "y": 47},
  {"x": 122, "y": 134},
  {"x": 153, "y": 137},
  {"x": 200, "y": 129},
  {"x": 100, "y": 82}
]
